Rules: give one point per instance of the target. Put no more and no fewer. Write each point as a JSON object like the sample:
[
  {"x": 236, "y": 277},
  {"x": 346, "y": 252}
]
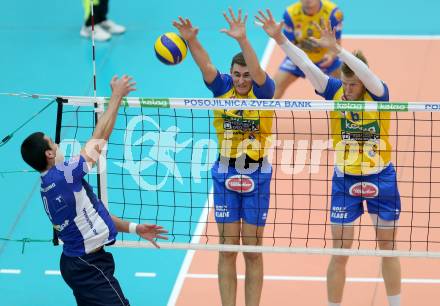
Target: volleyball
[{"x": 170, "y": 48}]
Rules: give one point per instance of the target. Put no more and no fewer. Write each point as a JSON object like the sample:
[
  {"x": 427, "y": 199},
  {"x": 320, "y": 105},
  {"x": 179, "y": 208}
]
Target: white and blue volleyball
[{"x": 170, "y": 48}]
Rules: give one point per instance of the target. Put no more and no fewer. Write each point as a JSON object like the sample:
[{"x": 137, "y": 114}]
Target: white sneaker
[
  {"x": 112, "y": 27},
  {"x": 100, "y": 33}
]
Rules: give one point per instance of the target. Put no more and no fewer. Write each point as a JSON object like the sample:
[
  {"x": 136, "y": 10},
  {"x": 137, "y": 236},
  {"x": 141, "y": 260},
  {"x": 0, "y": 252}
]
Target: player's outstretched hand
[
  {"x": 270, "y": 26},
  {"x": 186, "y": 29},
  {"x": 151, "y": 232},
  {"x": 328, "y": 37},
  {"x": 237, "y": 25},
  {"x": 122, "y": 86}
]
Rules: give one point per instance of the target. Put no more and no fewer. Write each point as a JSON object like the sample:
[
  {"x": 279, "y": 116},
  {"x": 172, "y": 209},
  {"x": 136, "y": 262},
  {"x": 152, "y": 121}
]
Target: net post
[
  {"x": 60, "y": 102},
  {"x": 102, "y": 163}
]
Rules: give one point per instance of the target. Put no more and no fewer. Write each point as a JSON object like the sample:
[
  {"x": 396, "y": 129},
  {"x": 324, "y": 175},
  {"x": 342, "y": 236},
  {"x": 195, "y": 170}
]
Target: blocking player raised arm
[
  {"x": 237, "y": 30},
  {"x": 120, "y": 88},
  {"x": 328, "y": 40},
  {"x": 318, "y": 78},
  {"x": 199, "y": 54},
  {"x": 336, "y": 24}
]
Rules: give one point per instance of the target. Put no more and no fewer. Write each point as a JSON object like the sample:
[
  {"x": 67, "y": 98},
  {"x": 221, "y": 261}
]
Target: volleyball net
[{"x": 157, "y": 169}]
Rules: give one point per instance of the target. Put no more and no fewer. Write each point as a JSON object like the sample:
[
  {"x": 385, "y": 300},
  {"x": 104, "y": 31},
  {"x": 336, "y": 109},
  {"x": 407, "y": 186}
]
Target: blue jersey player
[{"x": 81, "y": 220}]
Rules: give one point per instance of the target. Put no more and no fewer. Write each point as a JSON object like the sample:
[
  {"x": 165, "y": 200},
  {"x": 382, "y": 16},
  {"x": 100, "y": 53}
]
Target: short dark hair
[
  {"x": 238, "y": 59},
  {"x": 33, "y": 151},
  {"x": 347, "y": 70}
]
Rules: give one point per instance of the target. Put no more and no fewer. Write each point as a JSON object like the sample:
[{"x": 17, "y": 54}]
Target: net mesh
[{"x": 158, "y": 171}]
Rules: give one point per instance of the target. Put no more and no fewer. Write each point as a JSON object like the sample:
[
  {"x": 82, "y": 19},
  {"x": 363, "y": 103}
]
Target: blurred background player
[
  {"x": 240, "y": 210},
  {"x": 104, "y": 28},
  {"x": 363, "y": 171},
  {"x": 80, "y": 218},
  {"x": 299, "y": 19}
]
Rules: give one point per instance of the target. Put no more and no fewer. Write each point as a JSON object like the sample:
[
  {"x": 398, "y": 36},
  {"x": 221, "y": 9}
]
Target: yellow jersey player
[
  {"x": 364, "y": 171},
  {"x": 299, "y": 28},
  {"x": 242, "y": 173}
]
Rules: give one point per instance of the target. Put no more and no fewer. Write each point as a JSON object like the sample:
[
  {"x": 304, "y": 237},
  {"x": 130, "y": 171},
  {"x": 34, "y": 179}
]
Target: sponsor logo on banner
[
  {"x": 349, "y": 106},
  {"x": 432, "y": 106},
  {"x": 391, "y": 106},
  {"x": 364, "y": 189},
  {"x": 298, "y": 104},
  {"x": 240, "y": 183},
  {"x": 146, "y": 102}
]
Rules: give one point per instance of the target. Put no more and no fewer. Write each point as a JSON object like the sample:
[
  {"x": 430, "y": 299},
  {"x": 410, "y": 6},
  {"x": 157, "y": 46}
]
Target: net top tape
[
  {"x": 261, "y": 104},
  {"x": 246, "y": 104}
]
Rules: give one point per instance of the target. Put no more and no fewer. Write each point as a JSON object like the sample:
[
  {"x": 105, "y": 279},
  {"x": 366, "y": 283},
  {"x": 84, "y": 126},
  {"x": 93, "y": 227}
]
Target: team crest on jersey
[
  {"x": 364, "y": 189},
  {"x": 240, "y": 183},
  {"x": 240, "y": 124}
]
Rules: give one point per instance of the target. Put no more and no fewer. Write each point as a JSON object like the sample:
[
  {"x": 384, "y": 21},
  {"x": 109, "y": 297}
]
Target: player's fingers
[
  {"x": 259, "y": 22},
  {"x": 162, "y": 237},
  {"x": 227, "y": 18},
  {"x": 239, "y": 15},
  {"x": 176, "y": 25},
  {"x": 155, "y": 243},
  {"x": 269, "y": 13},
  {"x": 315, "y": 40},
  {"x": 182, "y": 21},
  {"x": 263, "y": 16},
  {"x": 232, "y": 14},
  {"x": 317, "y": 26},
  {"x": 245, "y": 18}
]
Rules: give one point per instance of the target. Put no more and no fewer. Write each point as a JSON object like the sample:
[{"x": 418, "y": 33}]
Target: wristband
[{"x": 132, "y": 228}]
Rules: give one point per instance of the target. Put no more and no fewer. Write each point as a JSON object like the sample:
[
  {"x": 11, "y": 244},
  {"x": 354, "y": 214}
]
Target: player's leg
[
  {"x": 100, "y": 8},
  {"x": 385, "y": 211},
  {"x": 253, "y": 235},
  {"x": 92, "y": 280},
  {"x": 345, "y": 209},
  {"x": 342, "y": 238},
  {"x": 227, "y": 271},
  {"x": 286, "y": 75},
  {"x": 254, "y": 211},
  {"x": 227, "y": 205},
  {"x": 391, "y": 272}
]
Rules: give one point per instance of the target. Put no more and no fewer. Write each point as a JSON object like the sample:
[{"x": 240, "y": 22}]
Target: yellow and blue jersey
[
  {"x": 299, "y": 27},
  {"x": 360, "y": 139},
  {"x": 242, "y": 131}
]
